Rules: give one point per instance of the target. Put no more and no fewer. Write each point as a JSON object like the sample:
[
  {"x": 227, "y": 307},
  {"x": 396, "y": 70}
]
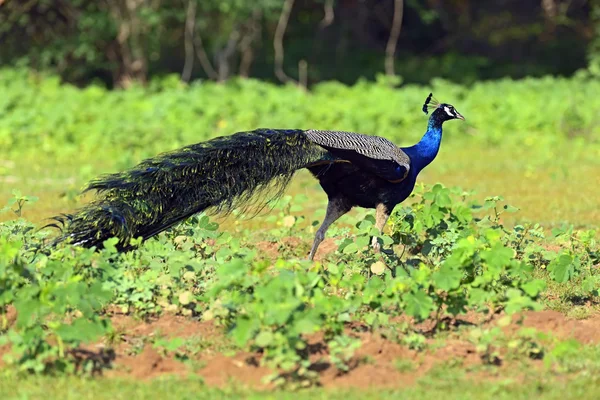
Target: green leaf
[
  {"x": 362, "y": 241},
  {"x": 387, "y": 240},
  {"x": 418, "y": 304},
  {"x": 170, "y": 345},
  {"x": 378, "y": 268},
  {"x": 306, "y": 325},
  {"x": 591, "y": 284},
  {"x": 479, "y": 296},
  {"x": 81, "y": 330},
  {"x": 563, "y": 349},
  {"x": 333, "y": 269},
  {"x": 562, "y": 268},
  {"x": 374, "y": 232},
  {"x": 447, "y": 278},
  {"x": 517, "y": 302},
  {"x": 352, "y": 248},
  {"x": 498, "y": 256},
  {"x": 364, "y": 225},
  {"x": 442, "y": 199},
  {"x": 185, "y": 298},
  {"x": 296, "y": 208},
  {"x": 534, "y": 287},
  {"x": 463, "y": 213},
  {"x": 264, "y": 338},
  {"x": 244, "y": 330},
  {"x": 421, "y": 275},
  {"x": 202, "y": 221},
  {"x": 212, "y": 226}
]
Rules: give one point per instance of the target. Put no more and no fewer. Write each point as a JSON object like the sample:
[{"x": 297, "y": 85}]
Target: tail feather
[{"x": 220, "y": 174}]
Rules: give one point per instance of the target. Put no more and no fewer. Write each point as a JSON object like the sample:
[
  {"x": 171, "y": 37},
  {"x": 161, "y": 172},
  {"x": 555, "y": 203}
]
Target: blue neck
[{"x": 424, "y": 152}]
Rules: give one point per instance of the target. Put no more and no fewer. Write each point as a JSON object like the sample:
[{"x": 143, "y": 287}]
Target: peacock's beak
[{"x": 459, "y": 116}]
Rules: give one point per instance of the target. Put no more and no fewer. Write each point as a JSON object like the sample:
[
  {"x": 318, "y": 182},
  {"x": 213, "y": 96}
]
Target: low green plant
[
  {"x": 57, "y": 309},
  {"x": 19, "y": 201},
  {"x": 444, "y": 255}
]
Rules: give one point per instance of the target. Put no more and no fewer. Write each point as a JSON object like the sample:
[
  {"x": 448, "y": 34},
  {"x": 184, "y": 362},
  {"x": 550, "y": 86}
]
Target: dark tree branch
[
  {"x": 550, "y": 9},
  {"x": 278, "y": 41},
  {"x": 190, "y": 24},
  {"x": 303, "y": 73},
  {"x": 246, "y": 49},
  {"x": 390, "y": 49},
  {"x": 319, "y": 39},
  {"x": 224, "y": 56},
  {"x": 203, "y": 57},
  {"x": 329, "y": 14}
]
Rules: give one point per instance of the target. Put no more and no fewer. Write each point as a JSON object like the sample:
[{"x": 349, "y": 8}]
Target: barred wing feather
[{"x": 372, "y": 153}]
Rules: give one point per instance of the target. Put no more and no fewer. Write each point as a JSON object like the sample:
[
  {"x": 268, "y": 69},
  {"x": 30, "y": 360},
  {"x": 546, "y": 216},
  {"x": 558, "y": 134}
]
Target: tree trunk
[{"x": 127, "y": 50}]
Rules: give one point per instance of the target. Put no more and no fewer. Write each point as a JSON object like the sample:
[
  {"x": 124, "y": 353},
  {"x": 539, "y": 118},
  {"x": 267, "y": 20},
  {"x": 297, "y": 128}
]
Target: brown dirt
[
  {"x": 148, "y": 364},
  {"x": 214, "y": 367},
  {"x": 271, "y": 250},
  {"x": 168, "y": 325},
  {"x": 11, "y": 317},
  {"x": 327, "y": 247},
  {"x": 220, "y": 370},
  {"x": 373, "y": 365},
  {"x": 586, "y": 331}
]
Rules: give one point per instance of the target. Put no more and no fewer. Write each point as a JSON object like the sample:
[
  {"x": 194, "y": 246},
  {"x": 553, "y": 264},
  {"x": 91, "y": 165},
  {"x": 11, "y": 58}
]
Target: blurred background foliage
[
  {"x": 118, "y": 42},
  {"x": 524, "y": 74}
]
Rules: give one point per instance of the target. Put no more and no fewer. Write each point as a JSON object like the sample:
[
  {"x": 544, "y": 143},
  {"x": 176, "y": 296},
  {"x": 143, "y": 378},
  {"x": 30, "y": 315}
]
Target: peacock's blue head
[{"x": 441, "y": 111}]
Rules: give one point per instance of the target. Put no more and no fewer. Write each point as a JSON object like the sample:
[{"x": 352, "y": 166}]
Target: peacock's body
[{"x": 227, "y": 172}]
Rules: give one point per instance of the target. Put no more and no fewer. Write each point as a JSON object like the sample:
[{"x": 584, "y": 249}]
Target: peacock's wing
[{"x": 371, "y": 153}]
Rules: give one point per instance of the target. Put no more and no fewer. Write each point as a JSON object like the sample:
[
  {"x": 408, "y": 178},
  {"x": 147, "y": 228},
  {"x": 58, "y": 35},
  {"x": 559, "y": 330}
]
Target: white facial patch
[{"x": 449, "y": 112}]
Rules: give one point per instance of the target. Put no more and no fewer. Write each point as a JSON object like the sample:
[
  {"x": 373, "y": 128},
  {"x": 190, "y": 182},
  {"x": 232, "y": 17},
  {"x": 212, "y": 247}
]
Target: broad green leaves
[
  {"x": 442, "y": 256},
  {"x": 275, "y": 312},
  {"x": 447, "y": 277},
  {"x": 418, "y": 304},
  {"x": 44, "y": 291},
  {"x": 562, "y": 268},
  {"x": 438, "y": 196}
]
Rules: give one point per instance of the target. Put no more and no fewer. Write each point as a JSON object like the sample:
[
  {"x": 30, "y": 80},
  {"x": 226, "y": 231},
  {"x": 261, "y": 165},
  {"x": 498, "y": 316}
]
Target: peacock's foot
[
  {"x": 377, "y": 249},
  {"x": 375, "y": 245}
]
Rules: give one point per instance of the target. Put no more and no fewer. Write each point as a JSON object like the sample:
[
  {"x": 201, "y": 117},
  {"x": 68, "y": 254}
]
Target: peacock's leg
[
  {"x": 335, "y": 209},
  {"x": 381, "y": 216}
]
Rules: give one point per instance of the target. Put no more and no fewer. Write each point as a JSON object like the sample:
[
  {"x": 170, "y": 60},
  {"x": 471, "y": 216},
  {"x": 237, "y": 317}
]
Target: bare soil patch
[
  {"x": 586, "y": 331},
  {"x": 379, "y": 362},
  {"x": 271, "y": 250}
]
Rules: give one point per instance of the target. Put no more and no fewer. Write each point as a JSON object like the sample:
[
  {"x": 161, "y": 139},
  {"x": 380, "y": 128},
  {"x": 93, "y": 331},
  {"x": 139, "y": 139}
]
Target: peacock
[{"x": 229, "y": 172}]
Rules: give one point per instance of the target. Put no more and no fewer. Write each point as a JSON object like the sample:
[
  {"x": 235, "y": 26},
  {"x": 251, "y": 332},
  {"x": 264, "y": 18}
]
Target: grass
[
  {"x": 553, "y": 180},
  {"x": 448, "y": 385},
  {"x": 549, "y": 189}
]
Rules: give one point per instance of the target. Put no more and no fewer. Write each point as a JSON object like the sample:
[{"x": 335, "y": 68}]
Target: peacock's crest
[{"x": 430, "y": 104}]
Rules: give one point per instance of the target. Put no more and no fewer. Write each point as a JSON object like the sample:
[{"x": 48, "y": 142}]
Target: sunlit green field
[
  {"x": 533, "y": 141},
  {"x": 550, "y": 186},
  {"x": 450, "y": 387},
  {"x": 464, "y": 303}
]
